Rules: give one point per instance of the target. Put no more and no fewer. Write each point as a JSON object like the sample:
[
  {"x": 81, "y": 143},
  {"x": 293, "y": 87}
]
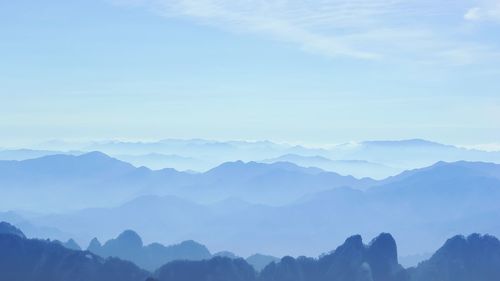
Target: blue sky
[{"x": 324, "y": 71}]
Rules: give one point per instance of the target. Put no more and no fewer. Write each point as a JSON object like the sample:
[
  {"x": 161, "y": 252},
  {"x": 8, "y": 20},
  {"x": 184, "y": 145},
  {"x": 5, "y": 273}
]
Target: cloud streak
[
  {"x": 489, "y": 11},
  {"x": 417, "y": 31}
]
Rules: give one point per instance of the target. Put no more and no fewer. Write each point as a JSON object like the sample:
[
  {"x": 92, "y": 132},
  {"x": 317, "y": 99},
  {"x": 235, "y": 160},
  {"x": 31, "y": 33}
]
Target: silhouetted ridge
[
  {"x": 39, "y": 260},
  {"x": 7, "y": 228},
  {"x": 475, "y": 258},
  {"x": 129, "y": 246},
  {"x": 351, "y": 261},
  {"x": 383, "y": 257},
  {"x": 215, "y": 269}
]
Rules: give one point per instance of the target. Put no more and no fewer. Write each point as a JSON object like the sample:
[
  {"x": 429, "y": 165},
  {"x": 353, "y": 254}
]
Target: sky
[{"x": 314, "y": 72}]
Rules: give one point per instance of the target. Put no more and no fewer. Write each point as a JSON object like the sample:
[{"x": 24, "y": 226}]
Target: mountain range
[
  {"x": 129, "y": 246},
  {"x": 472, "y": 258},
  {"x": 222, "y": 207},
  {"x": 422, "y": 207},
  {"x": 375, "y": 159},
  {"x": 95, "y": 179},
  {"x": 356, "y": 168},
  {"x": 23, "y": 259}
]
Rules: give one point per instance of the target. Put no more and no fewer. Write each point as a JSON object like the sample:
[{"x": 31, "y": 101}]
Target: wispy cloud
[
  {"x": 487, "y": 11},
  {"x": 415, "y": 30}
]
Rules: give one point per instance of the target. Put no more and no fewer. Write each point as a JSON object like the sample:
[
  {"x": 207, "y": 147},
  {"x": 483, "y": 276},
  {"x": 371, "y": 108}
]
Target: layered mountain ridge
[{"x": 472, "y": 258}]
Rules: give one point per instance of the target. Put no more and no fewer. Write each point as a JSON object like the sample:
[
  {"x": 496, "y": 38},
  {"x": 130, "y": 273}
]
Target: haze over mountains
[
  {"x": 376, "y": 159},
  {"x": 222, "y": 207},
  {"x": 289, "y": 194},
  {"x": 95, "y": 179}
]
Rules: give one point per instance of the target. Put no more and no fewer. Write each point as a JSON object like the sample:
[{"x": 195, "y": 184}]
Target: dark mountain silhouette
[
  {"x": 129, "y": 246},
  {"x": 217, "y": 268},
  {"x": 351, "y": 261},
  {"x": 475, "y": 258},
  {"x": 24, "y": 259},
  {"x": 7, "y": 228},
  {"x": 226, "y": 254}
]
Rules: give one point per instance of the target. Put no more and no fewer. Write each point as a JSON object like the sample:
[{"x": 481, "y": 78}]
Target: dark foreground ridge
[
  {"x": 129, "y": 246},
  {"x": 24, "y": 259},
  {"x": 472, "y": 258}
]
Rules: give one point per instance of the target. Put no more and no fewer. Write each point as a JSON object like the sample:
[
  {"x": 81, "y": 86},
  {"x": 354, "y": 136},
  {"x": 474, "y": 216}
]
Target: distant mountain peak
[
  {"x": 71, "y": 244},
  {"x": 130, "y": 238},
  {"x": 94, "y": 154},
  {"x": 94, "y": 245},
  {"x": 405, "y": 142}
]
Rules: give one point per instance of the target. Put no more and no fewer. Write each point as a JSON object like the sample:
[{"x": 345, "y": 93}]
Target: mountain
[
  {"x": 206, "y": 150},
  {"x": 447, "y": 189},
  {"x": 92, "y": 165},
  {"x": 226, "y": 254},
  {"x": 217, "y": 268},
  {"x": 472, "y": 258},
  {"x": 422, "y": 207},
  {"x": 31, "y": 230},
  {"x": 282, "y": 181},
  {"x": 293, "y": 203},
  {"x": 384, "y": 157},
  {"x": 70, "y": 244},
  {"x": 24, "y": 154},
  {"x": 475, "y": 258},
  {"x": 462, "y": 258},
  {"x": 411, "y": 153},
  {"x": 129, "y": 246},
  {"x": 400, "y": 154},
  {"x": 375, "y": 159},
  {"x": 357, "y": 168},
  {"x": 95, "y": 179},
  {"x": 259, "y": 261},
  {"x": 77, "y": 180},
  {"x": 24, "y": 259},
  {"x": 8, "y": 229},
  {"x": 351, "y": 261},
  {"x": 158, "y": 161}
]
